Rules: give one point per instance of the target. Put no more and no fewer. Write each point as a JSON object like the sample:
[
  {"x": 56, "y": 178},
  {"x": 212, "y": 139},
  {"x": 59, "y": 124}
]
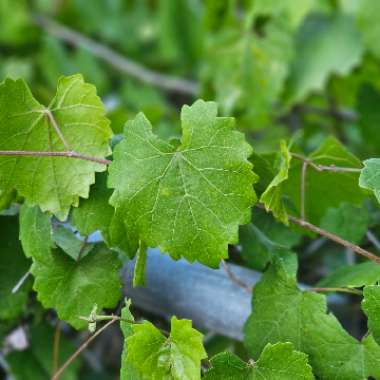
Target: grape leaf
[
  {"x": 248, "y": 72},
  {"x": 35, "y": 232},
  {"x": 13, "y": 265},
  {"x": 371, "y": 307},
  {"x": 96, "y": 214},
  {"x": 353, "y": 276},
  {"x": 127, "y": 371},
  {"x": 325, "y": 45},
  {"x": 177, "y": 357},
  {"x": 293, "y": 11},
  {"x": 277, "y": 362},
  {"x": 271, "y": 198},
  {"x": 368, "y": 24},
  {"x": 72, "y": 288},
  {"x": 54, "y": 183},
  {"x": 347, "y": 221},
  {"x": 342, "y": 187},
  {"x": 188, "y": 201},
  {"x": 70, "y": 244},
  {"x": 282, "y": 312},
  {"x": 370, "y": 176}
]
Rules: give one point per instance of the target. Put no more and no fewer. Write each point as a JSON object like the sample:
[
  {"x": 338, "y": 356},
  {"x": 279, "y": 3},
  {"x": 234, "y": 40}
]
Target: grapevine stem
[
  {"x": 69, "y": 154},
  {"x": 331, "y": 236},
  {"x": 321, "y": 168},
  {"x": 82, "y": 347},
  {"x": 341, "y": 290},
  {"x": 303, "y": 182},
  {"x": 56, "y": 343},
  {"x": 235, "y": 279},
  {"x": 116, "y": 60}
]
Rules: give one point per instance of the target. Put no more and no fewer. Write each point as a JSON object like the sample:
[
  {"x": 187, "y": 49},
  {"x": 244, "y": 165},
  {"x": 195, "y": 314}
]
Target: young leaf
[
  {"x": 283, "y": 313},
  {"x": 353, "y": 276},
  {"x": 277, "y": 362},
  {"x": 370, "y": 176},
  {"x": 272, "y": 197},
  {"x": 371, "y": 307},
  {"x": 188, "y": 201},
  {"x": 177, "y": 357},
  {"x": 13, "y": 266},
  {"x": 72, "y": 288},
  {"x": 54, "y": 183}
]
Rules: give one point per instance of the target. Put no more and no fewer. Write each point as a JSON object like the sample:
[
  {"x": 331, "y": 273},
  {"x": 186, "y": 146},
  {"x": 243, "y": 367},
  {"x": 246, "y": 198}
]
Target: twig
[
  {"x": 331, "y": 236},
  {"x": 321, "y": 168},
  {"x": 71, "y": 154},
  {"x": 303, "y": 181},
  {"x": 57, "y": 338},
  {"x": 116, "y": 60},
  {"x": 234, "y": 279},
  {"x": 340, "y": 290},
  {"x": 82, "y": 347},
  {"x": 21, "y": 282}
]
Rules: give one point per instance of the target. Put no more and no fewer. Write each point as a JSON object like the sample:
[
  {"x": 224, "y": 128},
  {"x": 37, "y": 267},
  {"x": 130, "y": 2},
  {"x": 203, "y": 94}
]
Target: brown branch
[
  {"x": 321, "y": 168},
  {"x": 235, "y": 279},
  {"x": 70, "y": 154},
  {"x": 82, "y": 347},
  {"x": 116, "y": 60},
  {"x": 360, "y": 251}
]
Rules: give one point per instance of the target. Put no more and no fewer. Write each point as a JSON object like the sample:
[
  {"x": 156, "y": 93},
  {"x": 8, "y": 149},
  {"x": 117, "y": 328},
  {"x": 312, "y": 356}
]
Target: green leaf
[
  {"x": 70, "y": 244},
  {"x": 72, "y": 288},
  {"x": 265, "y": 239},
  {"x": 35, "y": 232},
  {"x": 54, "y": 183},
  {"x": 248, "y": 72},
  {"x": 271, "y": 198},
  {"x": 342, "y": 186},
  {"x": 371, "y": 307},
  {"x": 283, "y": 313},
  {"x": 139, "y": 270},
  {"x": 13, "y": 266},
  {"x": 36, "y": 362},
  {"x": 294, "y": 11},
  {"x": 177, "y": 357},
  {"x": 96, "y": 214},
  {"x": 368, "y": 24},
  {"x": 347, "y": 221},
  {"x": 127, "y": 371},
  {"x": 277, "y": 362},
  {"x": 188, "y": 201},
  {"x": 353, "y": 276},
  {"x": 370, "y": 176},
  {"x": 325, "y": 45}
]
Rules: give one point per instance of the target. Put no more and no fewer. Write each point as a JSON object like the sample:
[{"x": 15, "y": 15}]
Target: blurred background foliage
[{"x": 285, "y": 69}]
